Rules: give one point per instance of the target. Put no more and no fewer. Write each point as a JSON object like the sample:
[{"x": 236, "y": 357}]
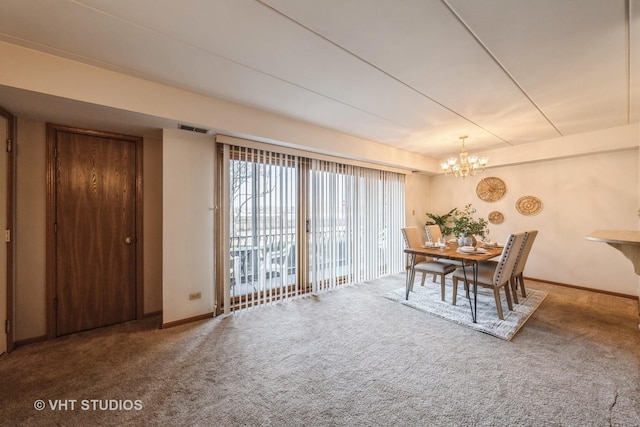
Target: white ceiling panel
[
  {"x": 395, "y": 37},
  {"x": 569, "y": 56},
  {"x": 415, "y": 74},
  {"x": 255, "y": 38}
]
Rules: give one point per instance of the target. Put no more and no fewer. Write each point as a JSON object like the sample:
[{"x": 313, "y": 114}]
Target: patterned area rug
[{"x": 427, "y": 298}]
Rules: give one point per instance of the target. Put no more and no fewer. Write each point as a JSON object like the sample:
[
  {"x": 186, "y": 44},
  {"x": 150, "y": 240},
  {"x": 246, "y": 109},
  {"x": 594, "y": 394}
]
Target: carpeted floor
[{"x": 344, "y": 358}]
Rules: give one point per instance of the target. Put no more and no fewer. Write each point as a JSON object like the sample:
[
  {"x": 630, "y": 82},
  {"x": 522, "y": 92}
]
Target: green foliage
[
  {"x": 443, "y": 221},
  {"x": 459, "y": 222},
  {"x": 465, "y": 225}
]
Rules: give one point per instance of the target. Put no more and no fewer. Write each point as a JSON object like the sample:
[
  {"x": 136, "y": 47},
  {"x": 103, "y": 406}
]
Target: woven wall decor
[
  {"x": 496, "y": 217},
  {"x": 491, "y": 189},
  {"x": 529, "y": 205}
]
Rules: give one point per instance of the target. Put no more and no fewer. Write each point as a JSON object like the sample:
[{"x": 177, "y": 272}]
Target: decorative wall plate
[
  {"x": 529, "y": 205},
  {"x": 491, "y": 189},
  {"x": 496, "y": 217}
]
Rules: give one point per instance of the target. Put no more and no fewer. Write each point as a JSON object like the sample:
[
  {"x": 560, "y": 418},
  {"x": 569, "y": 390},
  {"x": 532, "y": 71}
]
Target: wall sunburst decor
[
  {"x": 496, "y": 217},
  {"x": 529, "y": 205},
  {"x": 491, "y": 189}
]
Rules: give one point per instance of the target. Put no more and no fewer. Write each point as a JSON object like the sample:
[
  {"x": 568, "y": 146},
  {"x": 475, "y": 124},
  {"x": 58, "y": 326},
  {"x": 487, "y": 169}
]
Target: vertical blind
[
  {"x": 295, "y": 225},
  {"x": 263, "y": 233},
  {"x": 356, "y": 215}
]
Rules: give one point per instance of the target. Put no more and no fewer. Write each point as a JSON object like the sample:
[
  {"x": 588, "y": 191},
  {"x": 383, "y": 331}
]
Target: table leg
[
  {"x": 474, "y": 306},
  {"x": 411, "y": 273},
  {"x": 475, "y": 292}
]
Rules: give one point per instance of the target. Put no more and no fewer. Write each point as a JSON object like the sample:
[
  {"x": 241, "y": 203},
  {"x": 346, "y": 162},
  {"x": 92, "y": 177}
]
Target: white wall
[
  {"x": 187, "y": 218},
  {"x": 152, "y": 195},
  {"x": 579, "y": 195},
  {"x": 417, "y": 200},
  {"x": 30, "y": 254}
]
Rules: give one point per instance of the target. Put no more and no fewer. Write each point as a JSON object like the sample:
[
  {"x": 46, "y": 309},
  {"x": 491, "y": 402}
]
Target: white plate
[{"x": 472, "y": 252}]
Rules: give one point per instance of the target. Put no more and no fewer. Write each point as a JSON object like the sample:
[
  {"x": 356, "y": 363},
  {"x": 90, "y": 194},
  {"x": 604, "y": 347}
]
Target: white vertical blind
[
  {"x": 343, "y": 221},
  {"x": 263, "y": 212},
  {"x": 356, "y": 215}
]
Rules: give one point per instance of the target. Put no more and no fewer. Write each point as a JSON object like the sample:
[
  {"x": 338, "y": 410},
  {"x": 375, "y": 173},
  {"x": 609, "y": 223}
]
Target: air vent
[{"x": 192, "y": 129}]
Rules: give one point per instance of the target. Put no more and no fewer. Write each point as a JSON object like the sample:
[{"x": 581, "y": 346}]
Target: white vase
[{"x": 465, "y": 241}]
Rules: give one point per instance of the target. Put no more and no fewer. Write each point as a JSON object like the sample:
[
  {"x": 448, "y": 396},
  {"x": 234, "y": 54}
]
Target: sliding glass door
[
  {"x": 355, "y": 219},
  {"x": 292, "y": 225},
  {"x": 262, "y": 226}
]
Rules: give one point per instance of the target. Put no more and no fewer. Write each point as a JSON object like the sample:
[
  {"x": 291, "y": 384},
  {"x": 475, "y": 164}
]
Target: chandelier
[{"x": 466, "y": 165}]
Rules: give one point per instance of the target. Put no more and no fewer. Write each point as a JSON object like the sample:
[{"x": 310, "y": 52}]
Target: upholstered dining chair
[
  {"x": 517, "y": 276},
  {"x": 433, "y": 232},
  {"x": 517, "y": 279},
  {"x": 500, "y": 277},
  {"x": 426, "y": 265}
]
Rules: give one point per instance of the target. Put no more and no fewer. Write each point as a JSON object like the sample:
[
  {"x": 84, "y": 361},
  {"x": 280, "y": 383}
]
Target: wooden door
[
  {"x": 4, "y": 225},
  {"x": 94, "y": 230}
]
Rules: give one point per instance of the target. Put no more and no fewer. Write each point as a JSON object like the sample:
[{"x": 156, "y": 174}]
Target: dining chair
[
  {"x": 433, "y": 232},
  {"x": 500, "y": 277},
  {"x": 517, "y": 279},
  {"x": 517, "y": 276},
  {"x": 426, "y": 265}
]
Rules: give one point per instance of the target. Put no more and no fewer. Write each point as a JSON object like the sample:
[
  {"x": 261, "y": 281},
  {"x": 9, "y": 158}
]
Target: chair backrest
[
  {"x": 433, "y": 232},
  {"x": 507, "y": 262},
  {"x": 524, "y": 252},
  {"x": 412, "y": 239}
]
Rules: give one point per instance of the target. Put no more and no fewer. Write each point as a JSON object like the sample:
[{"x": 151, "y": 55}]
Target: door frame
[
  {"x": 10, "y": 145},
  {"x": 51, "y": 250}
]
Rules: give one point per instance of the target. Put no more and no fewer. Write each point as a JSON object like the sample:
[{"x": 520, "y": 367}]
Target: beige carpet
[{"x": 344, "y": 358}]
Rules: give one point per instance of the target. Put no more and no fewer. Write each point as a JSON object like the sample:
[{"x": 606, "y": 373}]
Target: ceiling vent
[{"x": 192, "y": 128}]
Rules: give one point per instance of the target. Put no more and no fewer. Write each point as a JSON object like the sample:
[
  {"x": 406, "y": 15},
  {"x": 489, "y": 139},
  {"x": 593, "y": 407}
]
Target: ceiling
[{"x": 414, "y": 74}]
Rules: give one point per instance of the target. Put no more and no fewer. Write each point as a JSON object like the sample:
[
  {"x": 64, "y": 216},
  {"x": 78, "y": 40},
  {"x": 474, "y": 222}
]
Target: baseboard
[
  {"x": 582, "y": 288},
  {"x": 153, "y": 314},
  {"x": 28, "y": 341},
  {"x": 187, "y": 320}
]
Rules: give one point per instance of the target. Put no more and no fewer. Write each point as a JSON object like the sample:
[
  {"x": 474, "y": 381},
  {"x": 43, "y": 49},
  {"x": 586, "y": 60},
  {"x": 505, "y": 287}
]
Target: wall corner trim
[{"x": 187, "y": 320}]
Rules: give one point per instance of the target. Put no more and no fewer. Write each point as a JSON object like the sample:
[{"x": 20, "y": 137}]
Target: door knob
[{"x": 128, "y": 240}]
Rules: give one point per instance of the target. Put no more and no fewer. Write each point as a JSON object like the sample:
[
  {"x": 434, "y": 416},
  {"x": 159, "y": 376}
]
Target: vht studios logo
[{"x": 88, "y": 405}]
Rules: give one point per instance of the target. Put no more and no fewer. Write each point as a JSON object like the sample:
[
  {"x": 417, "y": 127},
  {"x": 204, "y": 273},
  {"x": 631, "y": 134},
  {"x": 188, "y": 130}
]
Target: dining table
[{"x": 452, "y": 252}]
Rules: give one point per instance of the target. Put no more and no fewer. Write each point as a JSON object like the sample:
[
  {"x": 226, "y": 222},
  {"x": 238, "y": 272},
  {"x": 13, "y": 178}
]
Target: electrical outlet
[{"x": 196, "y": 295}]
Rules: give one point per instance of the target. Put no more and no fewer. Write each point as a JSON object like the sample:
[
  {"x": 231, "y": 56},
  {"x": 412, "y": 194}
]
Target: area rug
[{"x": 427, "y": 298}]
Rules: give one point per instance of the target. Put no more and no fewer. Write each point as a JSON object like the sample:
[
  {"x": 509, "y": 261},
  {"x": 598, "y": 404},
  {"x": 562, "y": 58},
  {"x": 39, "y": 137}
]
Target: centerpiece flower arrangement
[
  {"x": 461, "y": 223},
  {"x": 465, "y": 225}
]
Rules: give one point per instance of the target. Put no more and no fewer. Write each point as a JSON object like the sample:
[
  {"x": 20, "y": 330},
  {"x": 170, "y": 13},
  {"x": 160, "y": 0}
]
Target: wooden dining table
[{"x": 450, "y": 251}]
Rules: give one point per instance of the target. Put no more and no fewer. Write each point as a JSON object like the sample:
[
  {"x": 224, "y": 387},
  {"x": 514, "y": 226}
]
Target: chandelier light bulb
[{"x": 466, "y": 165}]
